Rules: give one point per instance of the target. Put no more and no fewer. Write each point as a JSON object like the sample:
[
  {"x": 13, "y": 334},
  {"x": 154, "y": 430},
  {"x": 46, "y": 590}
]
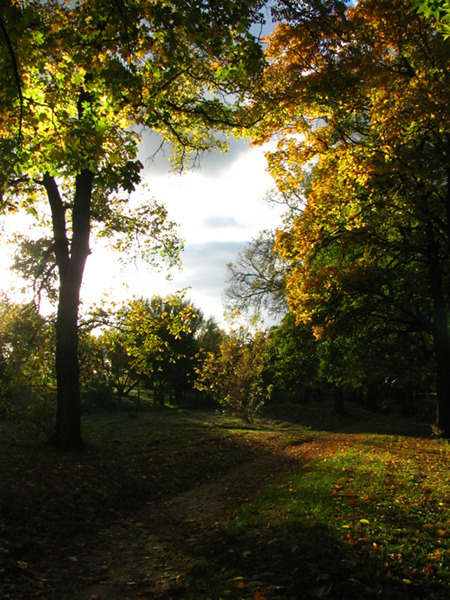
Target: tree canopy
[
  {"x": 154, "y": 342},
  {"x": 438, "y": 10},
  {"x": 358, "y": 99},
  {"x": 80, "y": 80}
]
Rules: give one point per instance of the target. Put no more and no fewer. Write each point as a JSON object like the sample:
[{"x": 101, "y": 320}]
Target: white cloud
[
  {"x": 218, "y": 206},
  {"x": 196, "y": 198},
  {"x": 220, "y": 222},
  {"x": 219, "y": 209}
]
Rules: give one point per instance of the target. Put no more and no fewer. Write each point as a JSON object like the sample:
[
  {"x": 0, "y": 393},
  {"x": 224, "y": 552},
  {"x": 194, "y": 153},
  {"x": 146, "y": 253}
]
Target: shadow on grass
[
  {"x": 321, "y": 416},
  {"x": 54, "y": 509},
  {"x": 294, "y": 562},
  {"x": 54, "y": 506}
]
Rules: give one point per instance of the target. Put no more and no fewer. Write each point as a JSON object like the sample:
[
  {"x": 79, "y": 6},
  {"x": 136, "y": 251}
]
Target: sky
[{"x": 219, "y": 207}]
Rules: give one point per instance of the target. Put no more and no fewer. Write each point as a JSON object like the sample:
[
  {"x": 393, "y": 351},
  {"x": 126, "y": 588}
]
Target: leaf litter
[{"x": 190, "y": 506}]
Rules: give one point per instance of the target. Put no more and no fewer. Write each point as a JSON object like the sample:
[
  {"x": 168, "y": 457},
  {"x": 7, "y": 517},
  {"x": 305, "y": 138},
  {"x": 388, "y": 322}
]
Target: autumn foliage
[
  {"x": 80, "y": 83},
  {"x": 234, "y": 375},
  {"x": 357, "y": 97}
]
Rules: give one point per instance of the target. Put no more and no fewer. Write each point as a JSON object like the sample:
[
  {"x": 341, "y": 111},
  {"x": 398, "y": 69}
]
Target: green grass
[
  {"x": 364, "y": 518},
  {"x": 339, "y": 515}
]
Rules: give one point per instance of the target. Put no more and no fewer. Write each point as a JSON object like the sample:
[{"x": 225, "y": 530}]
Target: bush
[
  {"x": 234, "y": 376},
  {"x": 31, "y": 407},
  {"x": 98, "y": 395}
]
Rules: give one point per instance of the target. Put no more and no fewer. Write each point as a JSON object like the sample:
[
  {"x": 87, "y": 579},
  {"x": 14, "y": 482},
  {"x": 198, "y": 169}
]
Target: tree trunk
[
  {"x": 442, "y": 356},
  {"x": 339, "y": 406},
  {"x": 67, "y": 434},
  {"x": 372, "y": 397},
  {"x": 70, "y": 259},
  {"x": 441, "y": 340}
]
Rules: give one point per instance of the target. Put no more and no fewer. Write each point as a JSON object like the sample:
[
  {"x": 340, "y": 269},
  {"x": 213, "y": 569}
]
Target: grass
[
  {"x": 317, "y": 512},
  {"x": 365, "y": 517}
]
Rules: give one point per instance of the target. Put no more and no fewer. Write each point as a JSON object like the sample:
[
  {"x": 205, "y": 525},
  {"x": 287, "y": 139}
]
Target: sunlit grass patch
[
  {"x": 296, "y": 513},
  {"x": 368, "y": 518}
]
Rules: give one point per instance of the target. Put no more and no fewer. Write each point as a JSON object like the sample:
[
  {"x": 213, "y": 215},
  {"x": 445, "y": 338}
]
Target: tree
[
  {"x": 116, "y": 367},
  {"x": 178, "y": 324},
  {"x": 209, "y": 336},
  {"x": 257, "y": 278},
  {"x": 358, "y": 97},
  {"x": 34, "y": 261},
  {"x": 293, "y": 358},
  {"x": 235, "y": 375},
  {"x": 80, "y": 80},
  {"x": 26, "y": 344},
  {"x": 438, "y": 10},
  {"x": 153, "y": 341}
]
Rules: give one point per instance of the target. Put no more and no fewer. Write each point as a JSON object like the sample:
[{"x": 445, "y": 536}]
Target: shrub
[{"x": 234, "y": 376}]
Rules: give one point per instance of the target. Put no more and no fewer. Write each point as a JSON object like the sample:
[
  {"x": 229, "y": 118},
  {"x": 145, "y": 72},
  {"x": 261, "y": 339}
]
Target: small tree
[
  {"x": 153, "y": 340},
  {"x": 115, "y": 373},
  {"x": 27, "y": 376},
  {"x": 234, "y": 376},
  {"x": 209, "y": 337},
  {"x": 26, "y": 348}
]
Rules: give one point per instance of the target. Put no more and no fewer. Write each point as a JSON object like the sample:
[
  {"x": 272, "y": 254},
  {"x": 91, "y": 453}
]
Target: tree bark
[
  {"x": 442, "y": 356},
  {"x": 339, "y": 405},
  {"x": 441, "y": 340},
  {"x": 71, "y": 259}
]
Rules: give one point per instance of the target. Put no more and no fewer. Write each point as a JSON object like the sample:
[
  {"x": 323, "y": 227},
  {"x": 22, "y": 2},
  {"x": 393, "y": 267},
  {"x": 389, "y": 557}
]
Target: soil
[
  {"x": 147, "y": 550},
  {"x": 147, "y": 557}
]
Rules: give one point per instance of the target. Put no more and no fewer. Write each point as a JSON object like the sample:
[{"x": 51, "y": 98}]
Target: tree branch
[{"x": 15, "y": 67}]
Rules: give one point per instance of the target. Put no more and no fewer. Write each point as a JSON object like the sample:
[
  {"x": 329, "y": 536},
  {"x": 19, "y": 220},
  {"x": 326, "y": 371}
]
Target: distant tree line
[{"x": 153, "y": 352}]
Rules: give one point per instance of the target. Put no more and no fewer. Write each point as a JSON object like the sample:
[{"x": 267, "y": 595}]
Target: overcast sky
[{"x": 219, "y": 207}]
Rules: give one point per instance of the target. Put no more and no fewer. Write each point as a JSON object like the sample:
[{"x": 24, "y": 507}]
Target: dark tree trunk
[
  {"x": 441, "y": 339},
  {"x": 70, "y": 259},
  {"x": 442, "y": 354},
  {"x": 67, "y": 432},
  {"x": 372, "y": 397}
]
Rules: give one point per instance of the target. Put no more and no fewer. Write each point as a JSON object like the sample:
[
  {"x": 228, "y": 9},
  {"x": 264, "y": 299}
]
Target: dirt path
[
  {"x": 86, "y": 529},
  {"x": 148, "y": 556}
]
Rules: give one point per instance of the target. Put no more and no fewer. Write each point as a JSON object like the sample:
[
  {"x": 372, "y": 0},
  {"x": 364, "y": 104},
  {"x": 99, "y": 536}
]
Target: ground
[
  {"x": 179, "y": 504},
  {"x": 151, "y": 556}
]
